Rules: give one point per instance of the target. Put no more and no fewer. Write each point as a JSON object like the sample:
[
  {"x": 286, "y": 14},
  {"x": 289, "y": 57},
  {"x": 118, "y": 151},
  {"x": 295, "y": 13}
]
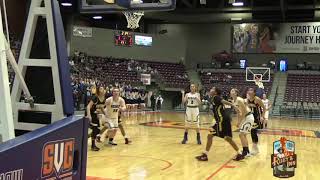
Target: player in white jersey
[
  {"x": 267, "y": 106},
  {"x": 245, "y": 119},
  {"x": 192, "y": 101},
  {"x": 114, "y": 105}
]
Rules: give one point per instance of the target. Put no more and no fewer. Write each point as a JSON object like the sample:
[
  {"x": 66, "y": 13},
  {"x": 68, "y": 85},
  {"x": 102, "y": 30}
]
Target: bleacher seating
[
  {"x": 15, "y": 45},
  {"x": 302, "y": 95},
  {"x": 237, "y": 79},
  {"x": 105, "y": 70},
  {"x": 173, "y": 75},
  {"x": 110, "y": 70},
  {"x": 303, "y": 88}
]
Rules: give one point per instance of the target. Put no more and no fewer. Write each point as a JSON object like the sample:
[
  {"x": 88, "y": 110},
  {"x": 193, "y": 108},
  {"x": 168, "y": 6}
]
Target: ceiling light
[
  {"x": 237, "y": 4},
  {"x": 236, "y": 19},
  {"x": 97, "y": 17},
  {"x": 66, "y": 4}
]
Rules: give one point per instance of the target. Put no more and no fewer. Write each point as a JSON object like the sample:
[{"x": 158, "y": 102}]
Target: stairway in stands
[{"x": 278, "y": 92}]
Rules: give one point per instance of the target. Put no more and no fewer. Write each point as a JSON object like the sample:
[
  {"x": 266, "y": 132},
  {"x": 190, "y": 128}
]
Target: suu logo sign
[
  {"x": 57, "y": 159},
  {"x": 283, "y": 159}
]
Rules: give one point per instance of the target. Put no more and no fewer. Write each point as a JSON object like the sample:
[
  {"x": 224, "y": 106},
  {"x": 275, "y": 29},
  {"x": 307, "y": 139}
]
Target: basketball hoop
[
  {"x": 133, "y": 18},
  {"x": 254, "y": 74}
]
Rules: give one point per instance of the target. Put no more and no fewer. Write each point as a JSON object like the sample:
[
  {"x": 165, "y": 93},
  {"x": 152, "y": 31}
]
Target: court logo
[
  {"x": 57, "y": 159},
  {"x": 283, "y": 159}
]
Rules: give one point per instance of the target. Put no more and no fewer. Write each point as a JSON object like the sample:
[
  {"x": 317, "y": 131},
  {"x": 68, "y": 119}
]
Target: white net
[{"x": 133, "y": 18}]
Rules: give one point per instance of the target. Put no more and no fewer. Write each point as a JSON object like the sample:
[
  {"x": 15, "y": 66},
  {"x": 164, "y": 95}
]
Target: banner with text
[{"x": 276, "y": 38}]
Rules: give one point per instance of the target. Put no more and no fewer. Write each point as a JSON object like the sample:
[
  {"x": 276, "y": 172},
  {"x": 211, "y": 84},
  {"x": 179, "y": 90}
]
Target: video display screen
[{"x": 143, "y": 40}]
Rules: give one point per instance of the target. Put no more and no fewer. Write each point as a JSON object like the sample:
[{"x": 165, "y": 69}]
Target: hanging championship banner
[
  {"x": 276, "y": 38},
  {"x": 146, "y": 79},
  {"x": 82, "y": 31}
]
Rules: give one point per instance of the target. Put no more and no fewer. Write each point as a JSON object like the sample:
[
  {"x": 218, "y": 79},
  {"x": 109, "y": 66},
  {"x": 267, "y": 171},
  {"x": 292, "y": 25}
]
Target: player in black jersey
[
  {"x": 94, "y": 111},
  {"x": 222, "y": 126},
  {"x": 258, "y": 110}
]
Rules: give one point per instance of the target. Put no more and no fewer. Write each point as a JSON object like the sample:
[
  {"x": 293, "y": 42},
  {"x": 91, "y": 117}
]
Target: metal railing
[{"x": 300, "y": 110}]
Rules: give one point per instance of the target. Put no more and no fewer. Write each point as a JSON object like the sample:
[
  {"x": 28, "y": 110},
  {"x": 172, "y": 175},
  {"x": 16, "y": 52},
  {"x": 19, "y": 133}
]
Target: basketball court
[
  {"x": 157, "y": 152},
  {"x": 72, "y": 68}
]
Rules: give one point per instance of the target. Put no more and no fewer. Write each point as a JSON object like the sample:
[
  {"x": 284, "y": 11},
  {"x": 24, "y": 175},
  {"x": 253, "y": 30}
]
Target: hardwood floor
[{"x": 157, "y": 153}]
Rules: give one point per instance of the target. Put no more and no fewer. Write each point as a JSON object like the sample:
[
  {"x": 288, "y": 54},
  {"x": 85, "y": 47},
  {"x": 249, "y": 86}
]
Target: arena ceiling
[
  {"x": 214, "y": 11},
  {"x": 191, "y": 11}
]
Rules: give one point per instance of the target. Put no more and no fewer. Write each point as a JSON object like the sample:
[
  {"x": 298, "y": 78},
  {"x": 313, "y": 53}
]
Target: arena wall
[
  {"x": 204, "y": 40},
  {"x": 191, "y": 43},
  {"x": 164, "y": 48}
]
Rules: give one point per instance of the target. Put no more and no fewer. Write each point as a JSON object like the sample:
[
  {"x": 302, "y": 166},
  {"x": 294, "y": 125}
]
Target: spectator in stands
[
  {"x": 156, "y": 71},
  {"x": 121, "y": 70},
  {"x": 76, "y": 53},
  {"x": 88, "y": 95},
  {"x": 138, "y": 68},
  {"x": 71, "y": 62},
  {"x": 229, "y": 79},
  {"x": 214, "y": 79},
  {"x": 153, "y": 101},
  {"x": 76, "y": 98},
  {"x": 129, "y": 67}
]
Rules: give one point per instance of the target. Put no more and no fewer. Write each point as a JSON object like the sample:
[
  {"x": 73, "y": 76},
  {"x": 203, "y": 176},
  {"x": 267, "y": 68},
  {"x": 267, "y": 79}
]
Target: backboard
[
  {"x": 261, "y": 74},
  {"x": 113, "y": 6}
]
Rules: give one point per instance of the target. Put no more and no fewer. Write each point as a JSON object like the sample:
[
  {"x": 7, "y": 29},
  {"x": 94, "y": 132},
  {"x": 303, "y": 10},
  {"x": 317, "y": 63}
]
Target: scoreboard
[{"x": 123, "y": 38}]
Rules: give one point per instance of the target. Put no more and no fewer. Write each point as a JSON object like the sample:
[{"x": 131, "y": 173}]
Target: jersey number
[
  {"x": 115, "y": 110},
  {"x": 191, "y": 101}
]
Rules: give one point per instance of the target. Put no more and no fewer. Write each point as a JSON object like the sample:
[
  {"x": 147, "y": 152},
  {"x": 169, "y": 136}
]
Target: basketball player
[
  {"x": 126, "y": 139},
  {"x": 123, "y": 132},
  {"x": 245, "y": 119},
  {"x": 221, "y": 127},
  {"x": 114, "y": 105},
  {"x": 193, "y": 101},
  {"x": 142, "y": 101},
  {"x": 122, "y": 93},
  {"x": 94, "y": 112},
  {"x": 260, "y": 87},
  {"x": 256, "y": 106},
  {"x": 267, "y": 106}
]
